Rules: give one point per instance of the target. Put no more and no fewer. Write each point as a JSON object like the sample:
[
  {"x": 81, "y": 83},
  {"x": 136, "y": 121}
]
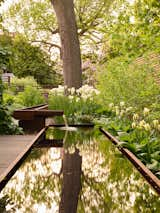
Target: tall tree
[
  {"x": 71, "y": 57},
  {"x": 45, "y": 31}
]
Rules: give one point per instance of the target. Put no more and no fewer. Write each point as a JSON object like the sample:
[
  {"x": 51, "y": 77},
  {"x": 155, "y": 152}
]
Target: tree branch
[{"x": 47, "y": 43}]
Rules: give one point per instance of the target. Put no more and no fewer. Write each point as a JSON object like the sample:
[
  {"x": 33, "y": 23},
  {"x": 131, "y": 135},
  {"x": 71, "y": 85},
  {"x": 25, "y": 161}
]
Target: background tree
[
  {"x": 24, "y": 59},
  {"x": 28, "y": 60},
  {"x": 131, "y": 29},
  {"x": 45, "y": 30}
]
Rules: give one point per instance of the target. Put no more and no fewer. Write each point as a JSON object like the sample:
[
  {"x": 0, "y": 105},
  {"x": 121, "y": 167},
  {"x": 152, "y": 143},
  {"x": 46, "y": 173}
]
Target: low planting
[
  {"x": 78, "y": 105},
  {"x": 23, "y": 92},
  {"x": 138, "y": 132}
]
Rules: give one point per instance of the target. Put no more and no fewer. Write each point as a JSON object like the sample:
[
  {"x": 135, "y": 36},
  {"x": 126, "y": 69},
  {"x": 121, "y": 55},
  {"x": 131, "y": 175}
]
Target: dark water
[{"x": 86, "y": 175}]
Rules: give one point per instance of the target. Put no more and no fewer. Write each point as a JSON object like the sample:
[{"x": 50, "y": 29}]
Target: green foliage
[
  {"x": 7, "y": 126},
  {"x": 28, "y": 60},
  {"x": 24, "y": 13},
  {"x": 19, "y": 84},
  {"x": 17, "y": 55},
  {"x": 123, "y": 80},
  {"x": 23, "y": 92},
  {"x": 38, "y": 12},
  {"x": 137, "y": 132},
  {"x": 1, "y": 89},
  {"x": 5, "y": 52},
  {"x": 78, "y": 106},
  {"x": 29, "y": 97},
  {"x": 132, "y": 29}
]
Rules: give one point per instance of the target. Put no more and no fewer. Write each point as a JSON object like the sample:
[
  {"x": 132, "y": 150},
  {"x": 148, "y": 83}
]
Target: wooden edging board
[
  {"x": 12, "y": 168},
  {"x": 147, "y": 174},
  {"x": 73, "y": 125},
  {"x": 40, "y": 106},
  {"x": 31, "y": 114}
]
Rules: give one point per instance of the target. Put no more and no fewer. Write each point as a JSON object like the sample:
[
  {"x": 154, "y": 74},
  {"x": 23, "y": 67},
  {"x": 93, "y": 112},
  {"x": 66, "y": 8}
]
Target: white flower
[
  {"x": 97, "y": 92},
  {"x": 70, "y": 97},
  {"x": 111, "y": 105},
  {"x": 58, "y": 91},
  {"x": 87, "y": 92},
  {"x": 72, "y": 90},
  {"x": 142, "y": 123},
  {"x": 122, "y": 103},
  {"x": 158, "y": 127},
  {"x": 147, "y": 127},
  {"x": 117, "y": 111},
  {"x": 146, "y": 111},
  {"x": 116, "y": 107},
  {"x": 135, "y": 116},
  {"x": 133, "y": 125},
  {"x": 155, "y": 123}
]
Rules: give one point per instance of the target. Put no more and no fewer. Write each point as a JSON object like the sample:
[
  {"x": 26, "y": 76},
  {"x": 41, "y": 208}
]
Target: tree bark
[{"x": 71, "y": 56}]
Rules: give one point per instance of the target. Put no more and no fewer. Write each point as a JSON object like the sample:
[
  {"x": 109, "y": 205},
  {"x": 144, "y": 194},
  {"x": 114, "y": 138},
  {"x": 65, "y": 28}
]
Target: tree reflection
[
  {"x": 88, "y": 169},
  {"x": 71, "y": 183}
]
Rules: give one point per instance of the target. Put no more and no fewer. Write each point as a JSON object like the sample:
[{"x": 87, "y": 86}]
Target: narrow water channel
[{"x": 86, "y": 175}]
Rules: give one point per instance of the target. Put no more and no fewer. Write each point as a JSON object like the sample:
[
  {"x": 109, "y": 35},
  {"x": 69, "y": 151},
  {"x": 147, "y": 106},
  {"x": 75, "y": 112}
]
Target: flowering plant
[
  {"x": 136, "y": 131},
  {"x": 77, "y": 104}
]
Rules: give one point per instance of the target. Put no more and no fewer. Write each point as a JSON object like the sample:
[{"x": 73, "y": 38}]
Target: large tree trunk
[
  {"x": 71, "y": 185},
  {"x": 71, "y": 57}
]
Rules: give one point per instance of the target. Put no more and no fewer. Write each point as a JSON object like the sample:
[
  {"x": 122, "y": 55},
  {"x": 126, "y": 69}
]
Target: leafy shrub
[
  {"x": 29, "y": 97},
  {"x": 7, "y": 125},
  {"x": 8, "y": 98},
  {"x": 19, "y": 84},
  {"x": 13, "y": 54},
  {"x": 23, "y": 92},
  {"x": 122, "y": 80}
]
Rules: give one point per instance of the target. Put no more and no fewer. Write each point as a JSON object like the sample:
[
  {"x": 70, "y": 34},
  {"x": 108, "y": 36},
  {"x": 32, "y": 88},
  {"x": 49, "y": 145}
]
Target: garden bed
[{"x": 147, "y": 174}]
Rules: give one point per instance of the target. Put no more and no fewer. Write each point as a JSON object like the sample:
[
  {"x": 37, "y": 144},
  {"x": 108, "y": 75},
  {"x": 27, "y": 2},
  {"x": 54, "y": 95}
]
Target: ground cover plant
[{"x": 138, "y": 132}]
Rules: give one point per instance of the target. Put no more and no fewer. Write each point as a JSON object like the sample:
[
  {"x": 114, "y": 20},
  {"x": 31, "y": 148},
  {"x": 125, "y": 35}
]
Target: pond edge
[{"x": 146, "y": 173}]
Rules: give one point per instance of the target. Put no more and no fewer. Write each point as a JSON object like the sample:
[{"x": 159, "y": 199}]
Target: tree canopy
[{"x": 24, "y": 59}]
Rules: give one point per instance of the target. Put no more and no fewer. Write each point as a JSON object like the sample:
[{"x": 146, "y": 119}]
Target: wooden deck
[{"x": 12, "y": 149}]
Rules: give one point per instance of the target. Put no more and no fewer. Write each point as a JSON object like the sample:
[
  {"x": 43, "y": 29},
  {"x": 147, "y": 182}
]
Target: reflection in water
[
  {"x": 88, "y": 174},
  {"x": 71, "y": 183}
]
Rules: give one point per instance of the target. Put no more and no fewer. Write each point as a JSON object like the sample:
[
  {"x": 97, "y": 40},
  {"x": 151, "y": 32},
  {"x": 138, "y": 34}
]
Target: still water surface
[{"x": 86, "y": 175}]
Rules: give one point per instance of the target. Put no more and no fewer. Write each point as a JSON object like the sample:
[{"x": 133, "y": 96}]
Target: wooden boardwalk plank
[{"x": 12, "y": 149}]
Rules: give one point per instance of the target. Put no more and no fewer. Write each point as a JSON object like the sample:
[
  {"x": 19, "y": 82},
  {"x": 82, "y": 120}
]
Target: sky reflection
[{"x": 88, "y": 170}]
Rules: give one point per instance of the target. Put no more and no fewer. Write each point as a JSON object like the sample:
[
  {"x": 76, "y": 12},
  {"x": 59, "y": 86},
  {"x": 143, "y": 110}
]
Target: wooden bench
[{"x": 32, "y": 119}]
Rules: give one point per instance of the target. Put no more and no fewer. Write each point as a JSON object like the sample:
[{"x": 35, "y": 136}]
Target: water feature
[
  {"x": 67, "y": 127},
  {"x": 87, "y": 174}
]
